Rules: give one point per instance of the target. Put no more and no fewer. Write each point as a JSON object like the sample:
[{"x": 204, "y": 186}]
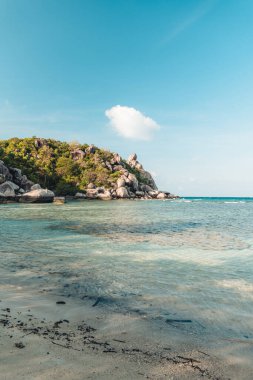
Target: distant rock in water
[{"x": 31, "y": 166}]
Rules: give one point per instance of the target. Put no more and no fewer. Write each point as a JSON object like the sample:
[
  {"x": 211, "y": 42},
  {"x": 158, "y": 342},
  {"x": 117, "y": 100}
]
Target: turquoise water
[{"x": 183, "y": 259}]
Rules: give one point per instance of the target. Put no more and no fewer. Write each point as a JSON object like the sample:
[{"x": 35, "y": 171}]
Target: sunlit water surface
[{"x": 186, "y": 259}]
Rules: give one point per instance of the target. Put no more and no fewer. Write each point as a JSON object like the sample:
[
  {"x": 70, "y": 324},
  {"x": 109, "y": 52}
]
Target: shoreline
[
  {"x": 70, "y": 198},
  {"x": 48, "y": 336}
]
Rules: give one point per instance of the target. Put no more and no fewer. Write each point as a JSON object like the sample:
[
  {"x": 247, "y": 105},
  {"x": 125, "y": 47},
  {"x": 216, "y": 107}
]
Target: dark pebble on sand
[{"x": 19, "y": 345}]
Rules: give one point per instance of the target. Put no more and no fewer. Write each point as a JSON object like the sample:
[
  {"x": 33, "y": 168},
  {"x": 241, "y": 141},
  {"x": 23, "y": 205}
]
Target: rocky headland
[{"x": 37, "y": 170}]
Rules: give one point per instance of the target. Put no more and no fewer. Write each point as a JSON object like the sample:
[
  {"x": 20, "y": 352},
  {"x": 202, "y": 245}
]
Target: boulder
[
  {"x": 147, "y": 188},
  {"x": 2, "y": 179},
  {"x": 38, "y": 196},
  {"x": 118, "y": 168},
  {"x": 91, "y": 193},
  {"x": 106, "y": 196},
  {"x": 116, "y": 159},
  {"x": 148, "y": 179},
  {"x": 4, "y": 172},
  {"x": 91, "y": 186},
  {"x": 153, "y": 193},
  {"x": 139, "y": 193},
  {"x": 77, "y": 154},
  {"x": 122, "y": 192},
  {"x": 121, "y": 182},
  {"x": 16, "y": 173},
  {"x": 80, "y": 196},
  {"x": 26, "y": 184},
  {"x": 138, "y": 166},
  {"x": 132, "y": 157},
  {"x": 9, "y": 189},
  {"x": 133, "y": 182},
  {"x": 161, "y": 196},
  {"x": 36, "y": 187}
]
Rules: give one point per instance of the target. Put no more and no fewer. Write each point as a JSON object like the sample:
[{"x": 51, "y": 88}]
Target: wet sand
[{"x": 48, "y": 337}]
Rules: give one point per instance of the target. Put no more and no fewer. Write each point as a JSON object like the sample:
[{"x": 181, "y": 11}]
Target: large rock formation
[
  {"x": 16, "y": 187},
  {"x": 68, "y": 169},
  {"x": 129, "y": 185},
  {"x": 146, "y": 176}
]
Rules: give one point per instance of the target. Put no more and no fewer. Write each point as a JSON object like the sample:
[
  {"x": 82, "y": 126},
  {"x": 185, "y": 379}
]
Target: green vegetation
[{"x": 63, "y": 167}]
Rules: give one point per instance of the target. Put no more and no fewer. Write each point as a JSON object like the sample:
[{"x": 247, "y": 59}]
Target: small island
[{"x": 41, "y": 170}]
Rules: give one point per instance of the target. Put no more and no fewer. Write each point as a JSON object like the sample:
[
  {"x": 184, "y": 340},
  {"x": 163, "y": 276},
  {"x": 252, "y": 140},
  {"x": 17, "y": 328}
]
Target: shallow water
[{"x": 186, "y": 259}]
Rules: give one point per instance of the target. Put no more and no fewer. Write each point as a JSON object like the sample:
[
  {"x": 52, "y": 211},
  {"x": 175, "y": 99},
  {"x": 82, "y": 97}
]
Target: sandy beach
[{"x": 49, "y": 337}]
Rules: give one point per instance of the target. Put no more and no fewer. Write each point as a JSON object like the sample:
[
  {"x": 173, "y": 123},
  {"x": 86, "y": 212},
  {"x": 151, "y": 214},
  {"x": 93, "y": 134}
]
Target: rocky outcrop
[
  {"x": 15, "y": 187},
  {"x": 147, "y": 177},
  {"x": 121, "y": 179},
  {"x": 133, "y": 183}
]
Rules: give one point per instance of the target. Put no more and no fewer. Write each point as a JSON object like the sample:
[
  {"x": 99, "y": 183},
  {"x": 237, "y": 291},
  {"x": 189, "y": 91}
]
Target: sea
[{"x": 186, "y": 261}]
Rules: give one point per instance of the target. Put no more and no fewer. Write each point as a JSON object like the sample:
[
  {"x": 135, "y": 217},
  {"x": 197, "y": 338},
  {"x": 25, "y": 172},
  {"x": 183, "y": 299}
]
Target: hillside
[{"x": 75, "y": 169}]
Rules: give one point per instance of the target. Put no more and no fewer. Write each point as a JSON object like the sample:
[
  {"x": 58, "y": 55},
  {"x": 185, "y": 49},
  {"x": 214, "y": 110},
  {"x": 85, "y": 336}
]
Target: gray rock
[
  {"x": 118, "y": 168},
  {"x": 16, "y": 173},
  {"x": 36, "y": 187},
  {"x": 77, "y": 154},
  {"x": 9, "y": 189},
  {"x": 133, "y": 163},
  {"x": 106, "y": 196},
  {"x": 5, "y": 174},
  {"x": 153, "y": 193},
  {"x": 2, "y": 179},
  {"x": 80, "y": 195},
  {"x": 146, "y": 188},
  {"x": 116, "y": 159},
  {"x": 138, "y": 166},
  {"x": 148, "y": 179},
  {"x": 38, "y": 196},
  {"x": 91, "y": 193},
  {"x": 26, "y": 184},
  {"x": 122, "y": 192},
  {"x": 133, "y": 182},
  {"x": 100, "y": 190},
  {"x": 121, "y": 182},
  {"x": 132, "y": 157},
  {"x": 139, "y": 193},
  {"x": 161, "y": 196},
  {"x": 91, "y": 186}
]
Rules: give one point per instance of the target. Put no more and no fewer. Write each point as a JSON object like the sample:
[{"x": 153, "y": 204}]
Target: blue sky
[{"x": 187, "y": 65}]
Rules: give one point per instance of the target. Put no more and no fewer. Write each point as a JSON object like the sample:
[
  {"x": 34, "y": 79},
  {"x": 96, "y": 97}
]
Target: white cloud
[{"x": 131, "y": 123}]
